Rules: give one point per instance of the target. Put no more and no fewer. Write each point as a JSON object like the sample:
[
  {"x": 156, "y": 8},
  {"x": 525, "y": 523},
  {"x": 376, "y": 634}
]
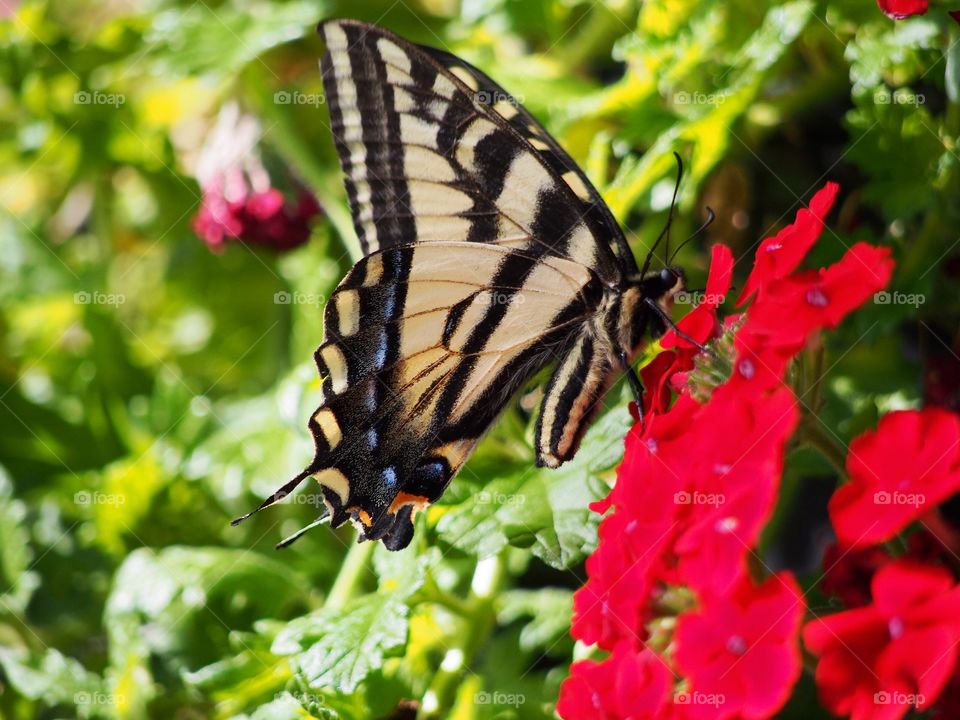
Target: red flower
[
  {"x": 900, "y": 9},
  {"x": 238, "y": 202},
  {"x": 625, "y": 685},
  {"x": 629, "y": 562},
  {"x": 879, "y": 661},
  {"x": 908, "y": 465},
  {"x": 261, "y": 218},
  {"x": 848, "y": 572},
  {"x": 733, "y": 485},
  {"x": 789, "y": 310},
  {"x": 742, "y": 649},
  {"x": 780, "y": 255}
]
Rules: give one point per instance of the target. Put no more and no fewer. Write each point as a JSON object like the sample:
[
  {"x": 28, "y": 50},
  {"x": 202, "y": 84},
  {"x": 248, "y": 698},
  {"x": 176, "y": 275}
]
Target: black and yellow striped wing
[{"x": 488, "y": 255}]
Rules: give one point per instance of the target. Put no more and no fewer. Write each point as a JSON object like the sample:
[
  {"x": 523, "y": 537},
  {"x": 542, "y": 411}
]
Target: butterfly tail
[{"x": 278, "y": 495}]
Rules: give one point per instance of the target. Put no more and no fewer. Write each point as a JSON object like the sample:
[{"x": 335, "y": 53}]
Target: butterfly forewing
[{"x": 593, "y": 210}]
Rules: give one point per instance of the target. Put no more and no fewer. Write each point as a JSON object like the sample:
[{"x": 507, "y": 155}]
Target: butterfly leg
[
  {"x": 635, "y": 385},
  {"x": 652, "y": 304}
]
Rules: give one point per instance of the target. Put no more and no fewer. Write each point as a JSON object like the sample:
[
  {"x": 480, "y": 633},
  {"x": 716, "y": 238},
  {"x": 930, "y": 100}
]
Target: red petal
[
  {"x": 900, "y": 9},
  {"x": 780, "y": 255}
]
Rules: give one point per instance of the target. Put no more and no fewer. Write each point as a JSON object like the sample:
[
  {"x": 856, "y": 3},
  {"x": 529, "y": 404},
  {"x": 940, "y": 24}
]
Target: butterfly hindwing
[{"x": 424, "y": 349}]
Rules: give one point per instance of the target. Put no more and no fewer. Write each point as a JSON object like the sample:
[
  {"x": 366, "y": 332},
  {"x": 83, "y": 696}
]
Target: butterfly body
[{"x": 488, "y": 255}]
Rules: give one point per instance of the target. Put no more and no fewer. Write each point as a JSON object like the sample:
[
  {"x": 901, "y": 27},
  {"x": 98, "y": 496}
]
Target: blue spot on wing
[{"x": 390, "y": 477}]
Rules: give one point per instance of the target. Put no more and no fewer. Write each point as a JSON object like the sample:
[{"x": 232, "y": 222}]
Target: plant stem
[
  {"x": 814, "y": 433},
  {"x": 351, "y": 574},
  {"x": 487, "y": 580},
  {"x": 433, "y": 594}
]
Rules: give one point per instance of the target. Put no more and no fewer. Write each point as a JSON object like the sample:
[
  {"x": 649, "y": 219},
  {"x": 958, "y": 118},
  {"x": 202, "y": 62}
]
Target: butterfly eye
[{"x": 668, "y": 275}]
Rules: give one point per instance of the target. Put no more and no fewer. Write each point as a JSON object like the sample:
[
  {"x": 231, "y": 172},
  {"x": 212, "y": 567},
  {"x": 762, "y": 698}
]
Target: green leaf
[
  {"x": 338, "y": 649},
  {"x": 17, "y": 582},
  {"x": 550, "y": 611},
  {"x": 55, "y": 679},
  {"x": 890, "y": 53},
  {"x": 288, "y": 707},
  {"x": 547, "y": 510},
  {"x": 179, "y": 605},
  {"x": 222, "y": 40},
  {"x": 895, "y": 137}
]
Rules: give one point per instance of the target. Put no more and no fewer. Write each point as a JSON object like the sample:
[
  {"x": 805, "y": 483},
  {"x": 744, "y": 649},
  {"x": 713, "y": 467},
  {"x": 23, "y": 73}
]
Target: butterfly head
[{"x": 637, "y": 320}]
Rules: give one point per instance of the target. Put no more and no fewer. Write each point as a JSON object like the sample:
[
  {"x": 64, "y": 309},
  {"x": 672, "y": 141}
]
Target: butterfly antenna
[
  {"x": 666, "y": 230},
  {"x": 287, "y": 542},
  {"x": 277, "y": 496},
  {"x": 711, "y": 216}
]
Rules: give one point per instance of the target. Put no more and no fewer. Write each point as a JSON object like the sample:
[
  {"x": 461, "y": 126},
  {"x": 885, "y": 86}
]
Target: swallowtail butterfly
[{"x": 488, "y": 255}]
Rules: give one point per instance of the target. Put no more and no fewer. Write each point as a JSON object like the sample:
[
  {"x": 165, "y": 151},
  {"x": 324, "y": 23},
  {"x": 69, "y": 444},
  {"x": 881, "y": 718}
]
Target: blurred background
[{"x": 171, "y": 221}]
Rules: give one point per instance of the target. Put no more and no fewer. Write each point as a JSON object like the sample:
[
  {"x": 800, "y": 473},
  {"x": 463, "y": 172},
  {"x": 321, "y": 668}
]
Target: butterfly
[{"x": 487, "y": 256}]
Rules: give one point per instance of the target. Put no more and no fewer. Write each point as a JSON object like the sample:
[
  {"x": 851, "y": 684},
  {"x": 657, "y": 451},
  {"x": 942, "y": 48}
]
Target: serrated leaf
[{"x": 339, "y": 648}]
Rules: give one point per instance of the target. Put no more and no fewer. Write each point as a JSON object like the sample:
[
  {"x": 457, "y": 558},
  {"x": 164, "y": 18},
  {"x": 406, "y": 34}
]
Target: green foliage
[
  {"x": 544, "y": 510},
  {"x": 151, "y": 390}
]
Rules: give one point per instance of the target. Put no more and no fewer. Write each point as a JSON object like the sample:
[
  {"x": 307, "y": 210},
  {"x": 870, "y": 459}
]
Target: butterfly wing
[
  {"x": 425, "y": 160},
  {"x": 483, "y": 263},
  {"x": 425, "y": 346},
  {"x": 593, "y": 209}
]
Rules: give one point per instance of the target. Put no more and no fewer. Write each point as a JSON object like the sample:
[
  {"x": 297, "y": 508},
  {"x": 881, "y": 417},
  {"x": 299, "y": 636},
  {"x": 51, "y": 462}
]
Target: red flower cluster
[
  {"x": 896, "y": 646},
  {"x": 259, "y": 218},
  {"x": 896, "y": 654},
  {"x": 239, "y": 203},
  {"x": 692, "y": 632}
]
